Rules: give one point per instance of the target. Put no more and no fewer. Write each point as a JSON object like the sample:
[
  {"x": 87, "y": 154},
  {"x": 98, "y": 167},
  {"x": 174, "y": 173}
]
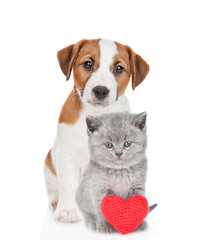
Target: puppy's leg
[
  {"x": 51, "y": 180},
  {"x": 51, "y": 186},
  {"x": 68, "y": 180}
]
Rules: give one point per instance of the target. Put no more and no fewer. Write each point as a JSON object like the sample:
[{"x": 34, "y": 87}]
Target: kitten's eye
[
  {"x": 118, "y": 69},
  {"x": 108, "y": 145},
  {"x": 88, "y": 65},
  {"x": 127, "y": 144}
]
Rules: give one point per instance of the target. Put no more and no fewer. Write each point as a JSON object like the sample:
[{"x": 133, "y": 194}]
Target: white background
[{"x": 169, "y": 35}]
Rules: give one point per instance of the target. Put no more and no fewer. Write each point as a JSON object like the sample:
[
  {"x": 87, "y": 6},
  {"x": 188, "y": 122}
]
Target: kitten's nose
[{"x": 119, "y": 153}]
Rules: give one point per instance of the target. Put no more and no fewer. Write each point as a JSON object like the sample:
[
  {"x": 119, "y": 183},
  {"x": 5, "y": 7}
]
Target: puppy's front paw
[{"x": 70, "y": 215}]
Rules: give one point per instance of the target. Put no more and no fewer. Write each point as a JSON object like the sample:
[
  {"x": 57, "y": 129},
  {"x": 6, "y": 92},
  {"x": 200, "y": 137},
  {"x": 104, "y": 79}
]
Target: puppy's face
[{"x": 102, "y": 69}]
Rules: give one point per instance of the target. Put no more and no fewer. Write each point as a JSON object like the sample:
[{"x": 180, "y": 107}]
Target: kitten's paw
[
  {"x": 90, "y": 221},
  {"x": 67, "y": 215},
  {"x": 142, "y": 227},
  {"x": 91, "y": 225},
  {"x": 105, "y": 228}
]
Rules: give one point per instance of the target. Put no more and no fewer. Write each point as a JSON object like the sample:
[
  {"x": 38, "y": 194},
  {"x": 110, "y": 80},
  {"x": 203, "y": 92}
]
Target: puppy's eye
[
  {"x": 88, "y": 65},
  {"x": 127, "y": 144},
  {"x": 108, "y": 145},
  {"x": 118, "y": 69}
]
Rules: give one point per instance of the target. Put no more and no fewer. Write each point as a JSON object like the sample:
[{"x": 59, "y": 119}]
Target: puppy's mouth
[
  {"x": 93, "y": 102},
  {"x": 98, "y": 104},
  {"x": 100, "y": 97}
]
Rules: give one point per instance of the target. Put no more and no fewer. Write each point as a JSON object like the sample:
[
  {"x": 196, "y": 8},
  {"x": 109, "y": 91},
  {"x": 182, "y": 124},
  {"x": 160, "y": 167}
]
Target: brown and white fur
[{"x": 95, "y": 63}]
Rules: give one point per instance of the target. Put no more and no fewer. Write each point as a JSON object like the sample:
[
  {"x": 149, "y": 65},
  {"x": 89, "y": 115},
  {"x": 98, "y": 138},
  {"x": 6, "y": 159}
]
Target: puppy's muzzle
[{"x": 101, "y": 92}]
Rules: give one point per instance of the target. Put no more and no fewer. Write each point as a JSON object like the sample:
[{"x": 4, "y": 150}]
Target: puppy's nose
[{"x": 101, "y": 92}]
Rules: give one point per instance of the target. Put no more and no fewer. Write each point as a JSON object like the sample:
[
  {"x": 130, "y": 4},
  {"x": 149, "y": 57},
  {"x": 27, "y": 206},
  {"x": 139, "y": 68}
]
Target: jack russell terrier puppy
[{"x": 101, "y": 71}]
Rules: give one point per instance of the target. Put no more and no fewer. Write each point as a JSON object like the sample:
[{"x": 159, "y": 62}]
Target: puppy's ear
[
  {"x": 139, "y": 68},
  {"x": 67, "y": 56},
  {"x": 92, "y": 124}
]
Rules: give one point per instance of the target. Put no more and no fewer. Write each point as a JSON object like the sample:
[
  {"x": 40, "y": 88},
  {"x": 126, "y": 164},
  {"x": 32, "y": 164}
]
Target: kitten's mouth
[{"x": 118, "y": 159}]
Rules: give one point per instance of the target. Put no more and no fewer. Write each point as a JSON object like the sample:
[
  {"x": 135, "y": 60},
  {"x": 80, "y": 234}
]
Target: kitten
[{"x": 118, "y": 165}]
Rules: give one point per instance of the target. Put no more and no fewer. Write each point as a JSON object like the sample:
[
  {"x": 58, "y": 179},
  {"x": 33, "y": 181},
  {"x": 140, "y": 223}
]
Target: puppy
[{"x": 101, "y": 71}]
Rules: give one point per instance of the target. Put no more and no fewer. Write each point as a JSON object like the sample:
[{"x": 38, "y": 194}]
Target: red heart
[{"x": 124, "y": 215}]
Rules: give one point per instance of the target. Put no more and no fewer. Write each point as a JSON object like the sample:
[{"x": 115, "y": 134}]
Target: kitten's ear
[
  {"x": 140, "y": 120},
  {"x": 93, "y": 124}
]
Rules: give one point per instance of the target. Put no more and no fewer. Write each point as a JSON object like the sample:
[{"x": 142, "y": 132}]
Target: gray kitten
[{"x": 118, "y": 165}]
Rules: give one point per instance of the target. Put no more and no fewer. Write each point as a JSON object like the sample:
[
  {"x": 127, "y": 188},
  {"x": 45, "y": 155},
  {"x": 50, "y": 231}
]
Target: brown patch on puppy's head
[
  {"x": 132, "y": 64},
  {"x": 87, "y": 62},
  {"x": 75, "y": 56},
  {"x": 66, "y": 57},
  {"x": 121, "y": 59}
]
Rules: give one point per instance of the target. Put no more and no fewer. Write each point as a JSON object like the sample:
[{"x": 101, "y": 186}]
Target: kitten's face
[{"x": 117, "y": 140}]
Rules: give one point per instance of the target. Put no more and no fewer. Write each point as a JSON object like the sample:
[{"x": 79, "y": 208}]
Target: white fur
[
  {"x": 52, "y": 186},
  {"x": 103, "y": 75},
  {"x": 70, "y": 151}
]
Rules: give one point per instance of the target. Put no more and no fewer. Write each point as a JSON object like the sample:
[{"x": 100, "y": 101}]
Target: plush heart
[{"x": 124, "y": 215}]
